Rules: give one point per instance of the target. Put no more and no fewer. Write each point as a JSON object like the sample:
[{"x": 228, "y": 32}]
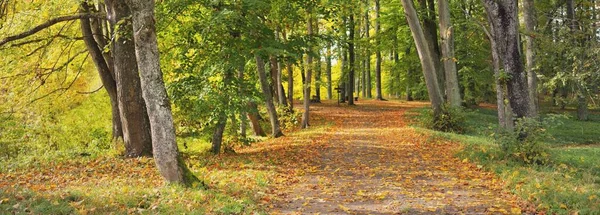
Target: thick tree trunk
[
  {"x": 351, "y": 56},
  {"x": 447, "y": 38},
  {"x": 134, "y": 117},
  {"x": 217, "y": 137},
  {"x": 530, "y": 24},
  {"x": 105, "y": 73},
  {"x": 166, "y": 153},
  {"x": 254, "y": 119},
  {"x": 504, "y": 21},
  {"x": 378, "y": 93},
  {"x": 427, "y": 58},
  {"x": 431, "y": 37},
  {"x": 264, "y": 85}
]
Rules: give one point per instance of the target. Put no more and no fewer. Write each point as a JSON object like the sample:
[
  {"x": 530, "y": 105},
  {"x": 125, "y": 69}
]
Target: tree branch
[{"x": 50, "y": 23}]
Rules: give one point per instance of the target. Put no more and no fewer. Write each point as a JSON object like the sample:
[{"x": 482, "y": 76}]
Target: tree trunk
[
  {"x": 367, "y": 75},
  {"x": 427, "y": 58},
  {"x": 290, "y": 70},
  {"x": 378, "y": 93},
  {"x": 504, "y": 21},
  {"x": 166, "y": 153},
  {"x": 134, "y": 117},
  {"x": 105, "y": 73},
  {"x": 431, "y": 38},
  {"x": 307, "y": 78},
  {"x": 317, "y": 66},
  {"x": 264, "y": 85},
  {"x": 254, "y": 119},
  {"x": 351, "y": 56},
  {"x": 530, "y": 24},
  {"x": 447, "y": 38},
  {"x": 274, "y": 71},
  {"x": 328, "y": 71},
  {"x": 243, "y": 118},
  {"x": 217, "y": 137},
  {"x": 280, "y": 90},
  {"x": 582, "y": 108}
]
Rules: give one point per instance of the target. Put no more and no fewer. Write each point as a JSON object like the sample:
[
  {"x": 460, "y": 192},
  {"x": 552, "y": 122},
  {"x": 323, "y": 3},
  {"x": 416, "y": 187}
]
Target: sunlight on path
[{"x": 370, "y": 162}]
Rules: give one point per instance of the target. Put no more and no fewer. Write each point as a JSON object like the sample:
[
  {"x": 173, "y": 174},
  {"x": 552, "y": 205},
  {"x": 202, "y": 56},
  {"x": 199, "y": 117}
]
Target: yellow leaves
[
  {"x": 3, "y": 200},
  {"x": 344, "y": 208},
  {"x": 592, "y": 197},
  {"x": 515, "y": 210},
  {"x": 465, "y": 160},
  {"x": 563, "y": 206}
]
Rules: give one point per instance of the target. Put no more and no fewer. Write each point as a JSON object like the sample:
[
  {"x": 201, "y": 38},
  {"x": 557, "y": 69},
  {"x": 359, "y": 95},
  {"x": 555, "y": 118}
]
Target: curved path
[{"x": 370, "y": 162}]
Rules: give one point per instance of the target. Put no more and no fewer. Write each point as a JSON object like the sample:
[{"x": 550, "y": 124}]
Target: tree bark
[
  {"x": 217, "y": 137},
  {"x": 378, "y": 93},
  {"x": 351, "y": 60},
  {"x": 105, "y": 73},
  {"x": 307, "y": 78},
  {"x": 264, "y": 85},
  {"x": 504, "y": 21},
  {"x": 431, "y": 37},
  {"x": 427, "y": 58},
  {"x": 254, "y": 119},
  {"x": 166, "y": 153},
  {"x": 274, "y": 70},
  {"x": 530, "y": 25},
  {"x": 447, "y": 38},
  {"x": 134, "y": 117},
  {"x": 367, "y": 79},
  {"x": 328, "y": 71}
]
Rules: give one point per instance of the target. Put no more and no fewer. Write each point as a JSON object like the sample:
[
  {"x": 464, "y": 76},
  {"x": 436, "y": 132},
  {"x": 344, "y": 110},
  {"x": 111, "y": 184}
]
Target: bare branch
[{"x": 50, "y": 23}]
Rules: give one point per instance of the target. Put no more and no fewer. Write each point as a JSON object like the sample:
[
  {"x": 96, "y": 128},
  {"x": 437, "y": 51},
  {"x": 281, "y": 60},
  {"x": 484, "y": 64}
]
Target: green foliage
[
  {"x": 451, "y": 119},
  {"x": 288, "y": 119},
  {"x": 525, "y": 143}
]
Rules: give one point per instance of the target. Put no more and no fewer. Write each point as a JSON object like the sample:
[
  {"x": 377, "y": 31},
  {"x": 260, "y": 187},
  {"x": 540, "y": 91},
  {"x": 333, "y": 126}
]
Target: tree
[
  {"x": 530, "y": 24},
  {"x": 166, "y": 154},
  {"x": 427, "y": 58},
  {"x": 503, "y": 20},
  {"x": 447, "y": 38},
  {"x": 351, "y": 59},
  {"x": 367, "y": 74},
  {"x": 264, "y": 85},
  {"x": 307, "y": 78},
  {"x": 378, "y": 93},
  {"x": 132, "y": 108}
]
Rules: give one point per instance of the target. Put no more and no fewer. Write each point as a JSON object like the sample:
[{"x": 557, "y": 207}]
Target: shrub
[
  {"x": 451, "y": 119},
  {"x": 526, "y": 143}
]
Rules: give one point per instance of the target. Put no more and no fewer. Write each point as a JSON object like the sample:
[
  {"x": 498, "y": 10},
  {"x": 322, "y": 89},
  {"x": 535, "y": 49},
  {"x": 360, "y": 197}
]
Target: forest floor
[
  {"x": 371, "y": 162},
  {"x": 363, "y": 159}
]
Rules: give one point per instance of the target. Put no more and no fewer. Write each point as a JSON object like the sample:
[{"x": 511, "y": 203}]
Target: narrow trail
[{"x": 370, "y": 162}]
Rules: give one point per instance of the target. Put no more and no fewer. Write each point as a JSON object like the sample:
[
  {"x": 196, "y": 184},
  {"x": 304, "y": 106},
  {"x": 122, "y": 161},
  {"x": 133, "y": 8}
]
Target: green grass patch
[{"x": 569, "y": 184}]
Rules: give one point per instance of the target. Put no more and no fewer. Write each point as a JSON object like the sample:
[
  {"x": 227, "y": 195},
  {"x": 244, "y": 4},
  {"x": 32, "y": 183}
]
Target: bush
[
  {"x": 526, "y": 143},
  {"x": 451, "y": 119}
]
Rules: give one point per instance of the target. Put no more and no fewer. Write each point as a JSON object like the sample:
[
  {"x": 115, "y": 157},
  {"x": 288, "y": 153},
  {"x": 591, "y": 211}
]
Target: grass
[{"x": 569, "y": 184}]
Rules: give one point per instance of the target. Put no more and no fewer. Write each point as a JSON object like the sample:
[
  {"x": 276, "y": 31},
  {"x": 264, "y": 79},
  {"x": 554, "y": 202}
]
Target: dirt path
[{"x": 370, "y": 162}]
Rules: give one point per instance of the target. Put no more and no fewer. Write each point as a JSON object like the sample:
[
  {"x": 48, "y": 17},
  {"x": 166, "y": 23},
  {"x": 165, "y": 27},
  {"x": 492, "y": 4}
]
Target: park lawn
[{"x": 569, "y": 184}]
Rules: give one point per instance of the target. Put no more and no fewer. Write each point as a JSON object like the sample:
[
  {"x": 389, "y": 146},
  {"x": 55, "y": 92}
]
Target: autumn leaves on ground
[{"x": 353, "y": 160}]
